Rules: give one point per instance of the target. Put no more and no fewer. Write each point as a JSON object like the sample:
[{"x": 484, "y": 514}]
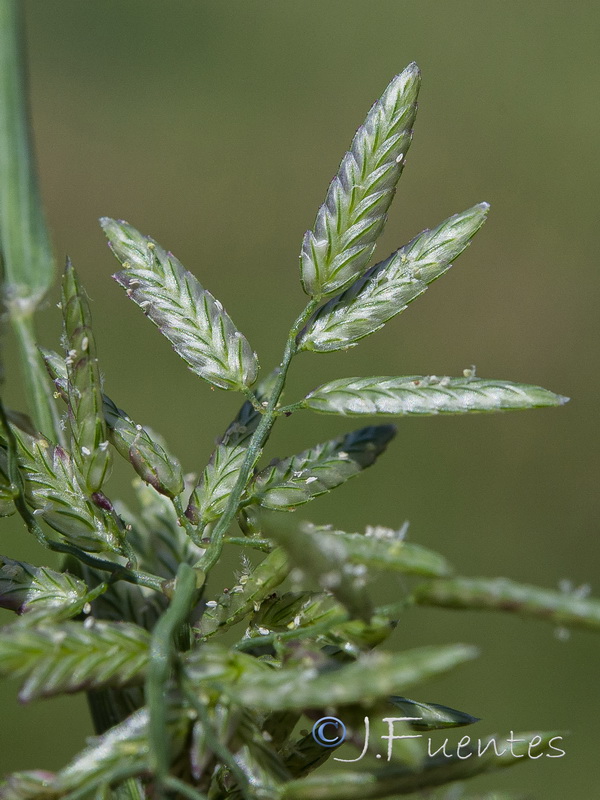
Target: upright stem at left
[{"x": 27, "y": 263}]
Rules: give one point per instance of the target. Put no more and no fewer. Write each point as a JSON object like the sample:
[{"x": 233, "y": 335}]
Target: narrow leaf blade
[
  {"x": 300, "y": 478},
  {"x": 341, "y": 243},
  {"x": 25, "y": 588},
  {"x": 209, "y": 498},
  {"x": 196, "y": 324},
  {"x": 500, "y": 594},
  {"x": 71, "y": 656},
  {"x": 418, "y": 395},
  {"x": 387, "y": 288},
  {"x": 374, "y": 676},
  {"x": 89, "y": 443},
  {"x": 150, "y": 459}
]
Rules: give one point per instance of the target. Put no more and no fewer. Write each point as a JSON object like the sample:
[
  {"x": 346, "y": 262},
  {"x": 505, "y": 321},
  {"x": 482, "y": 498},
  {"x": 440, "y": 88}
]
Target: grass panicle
[{"x": 196, "y": 687}]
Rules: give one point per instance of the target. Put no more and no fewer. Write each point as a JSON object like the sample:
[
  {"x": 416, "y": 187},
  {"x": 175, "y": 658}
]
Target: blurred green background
[{"x": 216, "y": 127}]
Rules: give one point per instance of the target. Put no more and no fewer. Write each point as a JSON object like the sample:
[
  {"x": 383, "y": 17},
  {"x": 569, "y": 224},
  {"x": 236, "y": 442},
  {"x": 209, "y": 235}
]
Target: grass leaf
[
  {"x": 209, "y": 498},
  {"x": 53, "y": 489},
  {"x": 418, "y": 395},
  {"x": 387, "y": 288},
  {"x": 196, "y": 324},
  {"x": 134, "y": 442},
  {"x": 71, "y": 656},
  {"x": 89, "y": 443},
  {"x": 375, "y": 675},
  {"x": 295, "y": 480},
  {"x": 25, "y": 588},
  {"x": 568, "y": 610},
  {"x": 341, "y": 243}
]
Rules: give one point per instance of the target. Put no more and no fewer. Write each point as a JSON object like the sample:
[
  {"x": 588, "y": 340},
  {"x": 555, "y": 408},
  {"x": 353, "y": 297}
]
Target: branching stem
[
  {"x": 213, "y": 552},
  {"x": 161, "y": 659}
]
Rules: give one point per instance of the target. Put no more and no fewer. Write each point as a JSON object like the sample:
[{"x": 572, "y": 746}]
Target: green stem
[
  {"x": 324, "y": 625},
  {"x": 252, "y": 399},
  {"x": 291, "y": 407},
  {"x": 213, "y": 552},
  {"x": 118, "y": 571},
  {"x": 219, "y": 749},
  {"x": 26, "y": 253},
  {"x": 264, "y": 545},
  {"x": 159, "y": 667},
  {"x": 183, "y": 788},
  {"x": 185, "y": 523}
]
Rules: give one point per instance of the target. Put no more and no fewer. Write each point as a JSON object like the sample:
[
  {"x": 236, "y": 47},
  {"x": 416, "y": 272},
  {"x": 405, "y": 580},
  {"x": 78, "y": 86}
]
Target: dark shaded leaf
[
  {"x": 25, "y": 588},
  {"x": 295, "y": 480},
  {"x": 158, "y": 539},
  {"x": 431, "y": 716}
]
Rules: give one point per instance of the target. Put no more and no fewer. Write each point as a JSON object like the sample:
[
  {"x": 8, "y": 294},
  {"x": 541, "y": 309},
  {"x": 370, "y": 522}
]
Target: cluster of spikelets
[{"x": 185, "y": 700}]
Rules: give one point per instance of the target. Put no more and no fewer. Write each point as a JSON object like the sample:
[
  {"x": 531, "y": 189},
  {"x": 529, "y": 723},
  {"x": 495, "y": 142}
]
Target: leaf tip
[
  {"x": 106, "y": 223},
  {"x": 412, "y": 69}
]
